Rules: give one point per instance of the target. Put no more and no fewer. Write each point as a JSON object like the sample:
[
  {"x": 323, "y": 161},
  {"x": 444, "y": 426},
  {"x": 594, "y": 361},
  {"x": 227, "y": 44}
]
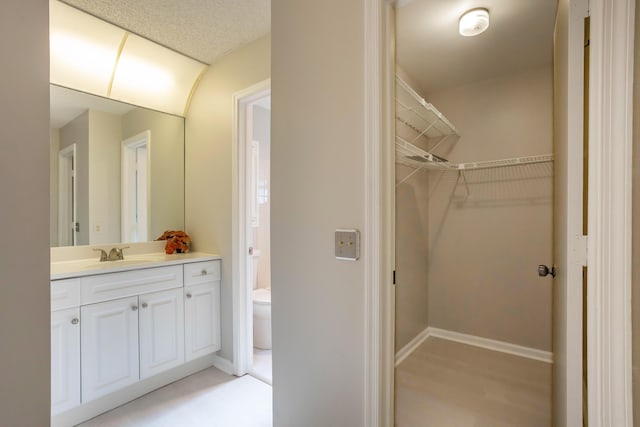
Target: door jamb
[
  {"x": 379, "y": 158},
  {"x": 242, "y": 314},
  {"x": 609, "y": 248}
]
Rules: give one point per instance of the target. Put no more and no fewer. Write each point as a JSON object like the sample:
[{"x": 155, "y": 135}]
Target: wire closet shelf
[{"x": 425, "y": 121}]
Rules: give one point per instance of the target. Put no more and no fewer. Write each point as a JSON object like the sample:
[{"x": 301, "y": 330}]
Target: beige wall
[
  {"x": 317, "y": 177},
  {"x": 167, "y": 166},
  {"x": 24, "y": 264},
  {"x": 104, "y": 177},
  {"x": 484, "y": 248},
  {"x": 209, "y": 160}
]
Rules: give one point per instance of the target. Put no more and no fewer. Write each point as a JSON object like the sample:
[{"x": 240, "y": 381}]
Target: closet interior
[{"x": 474, "y": 218}]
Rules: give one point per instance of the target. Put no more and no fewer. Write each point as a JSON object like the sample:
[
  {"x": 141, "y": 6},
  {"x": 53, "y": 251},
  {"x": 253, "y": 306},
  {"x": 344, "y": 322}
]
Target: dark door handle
[{"x": 544, "y": 271}]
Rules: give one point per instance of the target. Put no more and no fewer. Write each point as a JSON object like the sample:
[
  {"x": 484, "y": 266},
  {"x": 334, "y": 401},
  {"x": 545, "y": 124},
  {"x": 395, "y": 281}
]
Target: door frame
[
  {"x": 609, "y": 338},
  {"x": 379, "y": 219},
  {"x": 242, "y": 300},
  {"x": 127, "y": 147},
  {"x": 67, "y": 201}
]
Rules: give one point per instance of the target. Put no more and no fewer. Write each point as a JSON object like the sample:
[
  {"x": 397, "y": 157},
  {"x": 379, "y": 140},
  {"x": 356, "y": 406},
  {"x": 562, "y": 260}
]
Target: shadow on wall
[{"x": 512, "y": 186}]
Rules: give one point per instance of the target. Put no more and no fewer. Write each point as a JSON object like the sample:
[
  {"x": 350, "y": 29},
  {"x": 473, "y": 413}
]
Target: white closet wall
[
  {"x": 412, "y": 241},
  {"x": 485, "y": 244}
]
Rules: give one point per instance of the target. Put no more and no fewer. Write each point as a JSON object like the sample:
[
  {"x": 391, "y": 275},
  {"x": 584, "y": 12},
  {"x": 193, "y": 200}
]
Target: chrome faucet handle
[
  {"x": 116, "y": 254},
  {"x": 103, "y": 254}
]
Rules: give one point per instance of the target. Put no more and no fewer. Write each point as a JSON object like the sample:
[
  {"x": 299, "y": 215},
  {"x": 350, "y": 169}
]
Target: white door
[
  {"x": 569, "y": 242},
  {"x": 202, "y": 319},
  {"x": 109, "y": 347},
  {"x": 161, "y": 331},
  {"x": 65, "y": 360}
]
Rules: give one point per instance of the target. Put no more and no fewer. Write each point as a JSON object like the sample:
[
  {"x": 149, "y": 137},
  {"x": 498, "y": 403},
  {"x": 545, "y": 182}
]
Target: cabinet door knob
[
  {"x": 189, "y": 295},
  {"x": 144, "y": 305},
  {"x": 134, "y": 307},
  {"x": 204, "y": 272},
  {"x": 75, "y": 321}
]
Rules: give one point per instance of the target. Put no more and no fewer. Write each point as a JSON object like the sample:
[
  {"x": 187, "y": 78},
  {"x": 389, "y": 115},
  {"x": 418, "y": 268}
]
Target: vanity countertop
[{"x": 91, "y": 266}]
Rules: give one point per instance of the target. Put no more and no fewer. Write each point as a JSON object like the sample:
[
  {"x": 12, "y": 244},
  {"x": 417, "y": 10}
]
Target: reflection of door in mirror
[
  {"x": 135, "y": 187},
  {"x": 67, "y": 222}
]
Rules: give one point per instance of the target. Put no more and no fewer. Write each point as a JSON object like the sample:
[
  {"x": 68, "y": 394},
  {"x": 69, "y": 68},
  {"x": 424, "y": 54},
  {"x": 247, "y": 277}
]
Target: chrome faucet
[
  {"x": 103, "y": 254},
  {"x": 116, "y": 254}
]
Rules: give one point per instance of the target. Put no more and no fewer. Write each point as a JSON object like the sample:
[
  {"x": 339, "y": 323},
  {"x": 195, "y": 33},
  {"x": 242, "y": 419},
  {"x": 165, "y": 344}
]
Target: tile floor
[
  {"x": 262, "y": 365},
  {"x": 447, "y": 384},
  {"x": 208, "y": 398}
]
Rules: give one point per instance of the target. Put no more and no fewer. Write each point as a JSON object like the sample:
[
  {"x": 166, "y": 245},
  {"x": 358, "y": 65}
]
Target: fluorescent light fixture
[
  {"x": 83, "y": 49},
  {"x": 151, "y": 75},
  {"x": 474, "y": 22},
  {"x": 93, "y": 56}
]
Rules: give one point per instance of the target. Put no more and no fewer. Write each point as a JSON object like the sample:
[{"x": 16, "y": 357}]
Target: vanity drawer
[
  {"x": 201, "y": 272},
  {"x": 111, "y": 286},
  {"x": 65, "y": 294}
]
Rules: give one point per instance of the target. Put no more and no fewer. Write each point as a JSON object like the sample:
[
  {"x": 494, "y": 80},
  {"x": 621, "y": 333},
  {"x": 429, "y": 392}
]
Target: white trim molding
[
  {"x": 223, "y": 364},
  {"x": 411, "y": 346},
  {"x": 609, "y": 252},
  {"x": 495, "y": 345},
  {"x": 476, "y": 341},
  {"x": 379, "y": 204}
]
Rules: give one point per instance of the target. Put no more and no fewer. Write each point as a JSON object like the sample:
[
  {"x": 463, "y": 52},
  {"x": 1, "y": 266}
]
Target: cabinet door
[
  {"x": 109, "y": 347},
  {"x": 65, "y": 360},
  {"x": 161, "y": 331},
  {"x": 202, "y": 318}
]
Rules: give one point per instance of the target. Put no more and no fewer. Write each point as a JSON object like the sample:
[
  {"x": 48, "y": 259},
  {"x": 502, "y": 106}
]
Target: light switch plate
[{"x": 347, "y": 244}]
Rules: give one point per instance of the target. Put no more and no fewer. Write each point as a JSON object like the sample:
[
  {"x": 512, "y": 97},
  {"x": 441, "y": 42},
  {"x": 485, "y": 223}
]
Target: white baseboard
[
  {"x": 405, "y": 351},
  {"x": 489, "y": 344},
  {"x": 223, "y": 364}
]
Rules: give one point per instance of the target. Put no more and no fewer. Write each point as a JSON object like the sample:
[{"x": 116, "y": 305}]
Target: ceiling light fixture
[{"x": 474, "y": 22}]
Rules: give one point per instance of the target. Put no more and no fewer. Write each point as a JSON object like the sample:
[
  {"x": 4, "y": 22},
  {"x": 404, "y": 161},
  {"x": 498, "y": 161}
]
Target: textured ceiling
[
  {"x": 432, "y": 52},
  {"x": 202, "y": 29}
]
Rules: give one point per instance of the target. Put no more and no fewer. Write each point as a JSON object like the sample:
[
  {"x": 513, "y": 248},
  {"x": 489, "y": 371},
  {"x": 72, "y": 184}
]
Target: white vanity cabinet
[
  {"x": 65, "y": 345},
  {"x": 109, "y": 346},
  {"x": 65, "y": 359},
  {"x": 137, "y": 329},
  {"x": 202, "y": 308},
  {"x": 126, "y": 339},
  {"x": 161, "y": 331}
]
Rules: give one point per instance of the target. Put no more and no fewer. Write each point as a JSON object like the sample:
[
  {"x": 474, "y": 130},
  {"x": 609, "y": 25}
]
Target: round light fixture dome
[{"x": 474, "y": 22}]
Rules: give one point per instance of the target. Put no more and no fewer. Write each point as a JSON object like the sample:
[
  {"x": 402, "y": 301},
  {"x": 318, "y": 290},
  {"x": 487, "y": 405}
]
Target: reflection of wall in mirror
[
  {"x": 105, "y": 130},
  {"x": 166, "y": 208},
  {"x": 98, "y": 137}
]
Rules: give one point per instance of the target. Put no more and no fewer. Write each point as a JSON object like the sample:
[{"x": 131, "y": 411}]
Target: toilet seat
[{"x": 262, "y": 296}]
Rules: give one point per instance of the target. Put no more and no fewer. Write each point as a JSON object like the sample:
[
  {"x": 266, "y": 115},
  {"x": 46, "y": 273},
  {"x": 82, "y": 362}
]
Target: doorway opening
[
  {"x": 252, "y": 249},
  {"x": 474, "y": 215}
]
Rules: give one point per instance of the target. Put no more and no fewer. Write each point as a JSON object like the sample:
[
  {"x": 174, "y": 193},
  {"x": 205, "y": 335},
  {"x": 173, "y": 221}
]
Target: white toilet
[
  {"x": 262, "y": 318},
  {"x": 261, "y": 310}
]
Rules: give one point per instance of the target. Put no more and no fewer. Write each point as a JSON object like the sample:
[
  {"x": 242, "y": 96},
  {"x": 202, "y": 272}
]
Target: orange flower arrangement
[{"x": 177, "y": 241}]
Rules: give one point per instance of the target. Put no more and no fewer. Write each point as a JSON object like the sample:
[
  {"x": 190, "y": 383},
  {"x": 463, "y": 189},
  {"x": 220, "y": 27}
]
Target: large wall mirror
[{"x": 117, "y": 171}]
